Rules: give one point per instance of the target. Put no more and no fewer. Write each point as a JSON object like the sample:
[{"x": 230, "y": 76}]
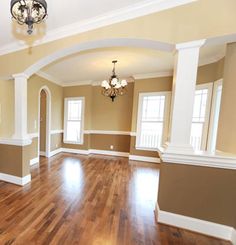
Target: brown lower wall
[
  {"x": 120, "y": 143},
  {"x": 56, "y": 141},
  {"x": 198, "y": 192},
  {"x": 14, "y": 160},
  {"x": 84, "y": 146}
]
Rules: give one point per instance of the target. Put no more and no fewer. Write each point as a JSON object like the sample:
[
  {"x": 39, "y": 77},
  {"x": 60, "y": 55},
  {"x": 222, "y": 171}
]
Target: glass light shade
[
  {"x": 114, "y": 81},
  {"x": 118, "y": 85},
  {"x": 105, "y": 84},
  {"x": 124, "y": 83}
]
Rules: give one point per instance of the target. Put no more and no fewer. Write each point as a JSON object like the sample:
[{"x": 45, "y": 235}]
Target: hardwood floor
[{"x": 91, "y": 200}]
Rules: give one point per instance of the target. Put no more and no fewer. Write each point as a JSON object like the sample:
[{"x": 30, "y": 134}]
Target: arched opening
[{"x": 44, "y": 122}]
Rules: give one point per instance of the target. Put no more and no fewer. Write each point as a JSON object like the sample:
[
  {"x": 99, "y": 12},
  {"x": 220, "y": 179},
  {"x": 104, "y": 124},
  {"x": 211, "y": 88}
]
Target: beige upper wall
[
  {"x": 226, "y": 139},
  {"x": 100, "y": 112},
  {"x": 108, "y": 115},
  {"x": 6, "y": 109},
  {"x": 201, "y": 19},
  {"x": 211, "y": 72},
  {"x": 35, "y": 83}
]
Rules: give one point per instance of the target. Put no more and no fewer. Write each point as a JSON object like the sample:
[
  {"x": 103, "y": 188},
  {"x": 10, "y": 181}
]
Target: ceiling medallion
[
  {"x": 29, "y": 12},
  {"x": 114, "y": 87}
]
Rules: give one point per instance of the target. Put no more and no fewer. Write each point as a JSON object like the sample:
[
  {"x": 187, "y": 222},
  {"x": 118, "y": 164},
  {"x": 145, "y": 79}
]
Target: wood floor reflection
[{"x": 93, "y": 200}]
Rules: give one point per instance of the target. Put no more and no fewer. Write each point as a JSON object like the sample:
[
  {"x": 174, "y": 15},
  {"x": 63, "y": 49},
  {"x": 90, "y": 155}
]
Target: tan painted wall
[
  {"x": 113, "y": 116},
  {"x": 6, "y": 109},
  {"x": 104, "y": 141},
  {"x": 43, "y": 111},
  {"x": 56, "y": 141},
  {"x": 35, "y": 83},
  {"x": 177, "y": 25},
  {"x": 226, "y": 140},
  {"x": 211, "y": 72},
  {"x": 198, "y": 192}
]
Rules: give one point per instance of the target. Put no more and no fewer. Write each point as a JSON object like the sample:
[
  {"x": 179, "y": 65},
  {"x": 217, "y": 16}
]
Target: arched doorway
[{"x": 44, "y": 122}]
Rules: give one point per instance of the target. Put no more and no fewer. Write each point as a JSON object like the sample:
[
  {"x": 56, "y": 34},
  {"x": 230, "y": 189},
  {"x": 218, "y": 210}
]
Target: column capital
[
  {"x": 192, "y": 44},
  {"x": 20, "y": 75}
]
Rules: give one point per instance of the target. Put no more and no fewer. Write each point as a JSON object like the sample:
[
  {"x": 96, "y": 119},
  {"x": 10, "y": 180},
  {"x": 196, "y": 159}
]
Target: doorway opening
[{"x": 44, "y": 122}]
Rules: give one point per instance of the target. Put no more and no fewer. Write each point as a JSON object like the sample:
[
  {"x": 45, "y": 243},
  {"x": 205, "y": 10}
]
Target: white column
[
  {"x": 184, "y": 84},
  {"x": 21, "y": 108}
]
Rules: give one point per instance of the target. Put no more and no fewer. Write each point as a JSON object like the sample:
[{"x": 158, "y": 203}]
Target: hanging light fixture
[
  {"x": 29, "y": 12},
  {"x": 114, "y": 87}
]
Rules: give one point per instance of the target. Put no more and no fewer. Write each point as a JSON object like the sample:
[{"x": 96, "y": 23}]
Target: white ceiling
[
  {"x": 96, "y": 65},
  {"x": 75, "y": 15}
]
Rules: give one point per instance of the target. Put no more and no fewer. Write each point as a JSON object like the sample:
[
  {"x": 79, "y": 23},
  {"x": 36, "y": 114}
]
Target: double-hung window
[
  {"x": 201, "y": 114},
  {"x": 152, "y": 123},
  {"x": 73, "y": 123}
]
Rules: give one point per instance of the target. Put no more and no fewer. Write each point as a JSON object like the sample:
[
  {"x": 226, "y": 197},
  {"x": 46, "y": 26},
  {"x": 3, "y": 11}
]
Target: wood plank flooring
[{"x": 88, "y": 200}]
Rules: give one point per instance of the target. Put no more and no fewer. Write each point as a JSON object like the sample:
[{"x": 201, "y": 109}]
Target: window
[
  {"x": 74, "y": 113},
  {"x": 151, "y": 118},
  {"x": 215, "y": 113},
  {"x": 201, "y": 113}
]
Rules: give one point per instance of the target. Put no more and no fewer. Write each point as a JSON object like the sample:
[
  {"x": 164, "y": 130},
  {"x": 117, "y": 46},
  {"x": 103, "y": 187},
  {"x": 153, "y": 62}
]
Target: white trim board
[
  {"x": 34, "y": 161},
  {"x": 15, "y": 179},
  {"x": 107, "y": 132},
  {"x": 17, "y": 142},
  {"x": 130, "y": 12},
  {"x": 200, "y": 226},
  {"x": 108, "y": 153},
  {"x": 144, "y": 159}
]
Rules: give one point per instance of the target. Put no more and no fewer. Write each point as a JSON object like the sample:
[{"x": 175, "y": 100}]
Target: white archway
[
  {"x": 48, "y": 120},
  {"x": 103, "y": 43}
]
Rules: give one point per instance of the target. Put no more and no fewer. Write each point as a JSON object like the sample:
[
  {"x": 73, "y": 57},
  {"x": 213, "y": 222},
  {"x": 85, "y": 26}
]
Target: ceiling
[
  {"x": 66, "y": 15},
  {"x": 95, "y": 65}
]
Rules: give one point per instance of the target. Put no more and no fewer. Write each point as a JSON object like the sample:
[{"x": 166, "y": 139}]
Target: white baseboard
[
  {"x": 200, "y": 226},
  {"x": 53, "y": 153},
  {"x": 109, "y": 153},
  {"x": 68, "y": 150},
  {"x": 144, "y": 159},
  {"x": 15, "y": 179},
  {"x": 102, "y": 152},
  {"x": 42, "y": 153},
  {"x": 34, "y": 161},
  {"x": 233, "y": 237}
]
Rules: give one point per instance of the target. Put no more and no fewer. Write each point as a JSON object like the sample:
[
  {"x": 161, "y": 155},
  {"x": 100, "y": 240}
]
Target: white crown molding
[
  {"x": 144, "y": 159},
  {"x": 153, "y": 75},
  {"x": 203, "y": 159},
  {"x": 192, "y": 44},
  {"x": 49, "y": 77},
  {"x": 133, "y": 11},
  {"x": 20, "y": 75},
  {"x": 15, "y": 179},
  {"x": 78, "y": 83},
  {"x": 200, "y": 226}
]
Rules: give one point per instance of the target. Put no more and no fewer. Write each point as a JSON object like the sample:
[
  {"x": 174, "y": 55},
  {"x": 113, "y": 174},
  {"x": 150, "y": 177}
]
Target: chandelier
[
  {"x": 29, "y": 12},
  {"x": 114, "y": 87}
]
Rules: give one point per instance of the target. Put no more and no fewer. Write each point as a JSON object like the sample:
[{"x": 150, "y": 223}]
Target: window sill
[
  {"x": 73, "y": 143},
  {"x": 145, "y": 149}
]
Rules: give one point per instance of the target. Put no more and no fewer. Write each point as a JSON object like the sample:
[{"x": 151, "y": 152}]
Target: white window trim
[
  {"x": 82, "y": 120},
  {"x": 213, "y": 113},
  {"x": 208, "y": 86},
  {"x": 167, "y": 95}
]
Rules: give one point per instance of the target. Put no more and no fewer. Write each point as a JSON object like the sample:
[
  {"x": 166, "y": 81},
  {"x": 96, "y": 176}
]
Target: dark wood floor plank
[{"x": 88, "y": 200}]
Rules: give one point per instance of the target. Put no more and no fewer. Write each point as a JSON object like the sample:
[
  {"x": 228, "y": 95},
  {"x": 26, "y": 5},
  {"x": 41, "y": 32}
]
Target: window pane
[
  {"x": 73, "y": 131},
  {"x": 151, "y": 134},
  {"x": 196, "y": 135},
  {"x": 74, "y": 109},
  {"x": 153, "y": 108},
  {"x": 200, "y": 101}
]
